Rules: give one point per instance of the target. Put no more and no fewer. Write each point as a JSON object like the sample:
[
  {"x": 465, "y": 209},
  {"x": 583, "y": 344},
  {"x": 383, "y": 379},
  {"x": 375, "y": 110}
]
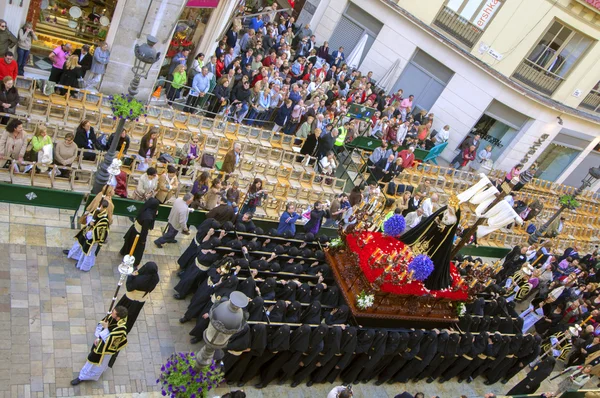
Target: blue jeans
[{"x": 22, "y": 60}]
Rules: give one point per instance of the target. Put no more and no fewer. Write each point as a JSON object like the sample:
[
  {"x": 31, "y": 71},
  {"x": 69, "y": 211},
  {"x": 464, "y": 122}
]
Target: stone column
[
  {"x": 139, "y": 19},
  {"x": 14, "y": 14},
  {"x": 215, "y": 27}
]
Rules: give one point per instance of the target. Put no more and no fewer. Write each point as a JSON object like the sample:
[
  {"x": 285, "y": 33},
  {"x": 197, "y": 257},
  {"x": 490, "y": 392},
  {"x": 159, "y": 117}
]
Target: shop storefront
[
  {"x": 77, "y": 22},
  {"x": 561, "y": 152},
  {"x": 498, "y": 126}
]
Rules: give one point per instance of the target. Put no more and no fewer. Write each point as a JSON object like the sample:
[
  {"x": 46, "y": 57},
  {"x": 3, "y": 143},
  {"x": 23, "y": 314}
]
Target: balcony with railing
[
  {"x": 591, "y": 102},
  {"x": 537, "y": 78},
  {"x": 457, "y": 27}
]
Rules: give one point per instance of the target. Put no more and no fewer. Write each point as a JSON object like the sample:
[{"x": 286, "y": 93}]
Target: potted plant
[
  {"x": 126, "y": 107},
  {"x": 179, "y": 379},
  {"x": 569, "y": 202}
]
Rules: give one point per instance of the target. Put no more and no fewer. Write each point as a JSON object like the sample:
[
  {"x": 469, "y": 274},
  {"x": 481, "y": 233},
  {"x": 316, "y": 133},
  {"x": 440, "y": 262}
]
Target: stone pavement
[{"x": 49, "y": 310}]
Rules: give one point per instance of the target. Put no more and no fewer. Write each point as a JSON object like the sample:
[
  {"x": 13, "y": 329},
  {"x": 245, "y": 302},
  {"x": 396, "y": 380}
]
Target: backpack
[
  {"x": 166, "y": 158},
  {"x": 208, "y": 160}
]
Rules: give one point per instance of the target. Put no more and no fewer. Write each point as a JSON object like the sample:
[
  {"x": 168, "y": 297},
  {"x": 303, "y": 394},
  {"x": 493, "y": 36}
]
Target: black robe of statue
[
  {"x": 435, "y": 239},
  {"x": 451, "y": 354},
  {"x": 477, "y": 347},
  {"x": 340, "y": 360},
  {"x": 426, "y": 353},
  {"x": 532, "y": 381},
  {"x": 299, "y": 341},
  {"x": 399, "y": 361},
  {"x": 144, "y": 222}
]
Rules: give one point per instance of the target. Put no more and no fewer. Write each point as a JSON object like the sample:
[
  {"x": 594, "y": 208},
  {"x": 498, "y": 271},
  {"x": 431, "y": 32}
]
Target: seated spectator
[
  {"x": 146, "y": 187},
  {"x": 327, "y": 164},
  {"x": 167, "y": 185},
  {"x": 413, "y": 219},
  {"x": 13, "y": 144},
  {"x": 38, "y": 143},
  {"x": 199, "y": 189},
  {"x": 233, "y": 196},
  {"x": 9, "y": 98},
  {"x": 190, "y": 151},
  {"x": 147, "y": 149},
  {"x": 85, "y": 138},
  {"x": 65, "y": 153},
  {"x": 254, "y": 197},
  {"x": 123, "y": 139}
]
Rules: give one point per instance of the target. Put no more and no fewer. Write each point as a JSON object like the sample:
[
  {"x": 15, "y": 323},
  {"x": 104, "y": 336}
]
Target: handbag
[
  {"x": 208, "y": 160},
  {"x": 80, "y": 82}
]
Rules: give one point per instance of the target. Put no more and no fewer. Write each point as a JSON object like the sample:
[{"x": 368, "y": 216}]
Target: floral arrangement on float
[
  {"x": 364, "y": 300},
  {"x": 180, "y": 379}
]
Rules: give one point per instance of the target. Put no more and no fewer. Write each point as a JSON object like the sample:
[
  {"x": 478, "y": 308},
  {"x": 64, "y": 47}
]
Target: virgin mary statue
[{"x": 434, "y": 237}]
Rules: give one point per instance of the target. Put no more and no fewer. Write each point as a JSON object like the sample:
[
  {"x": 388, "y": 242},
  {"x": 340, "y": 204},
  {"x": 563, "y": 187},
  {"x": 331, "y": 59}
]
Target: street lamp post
[
  {"x": 145, "y": 57},
  {"x": 590, "y": 178},
  {"x": 226, "y": 319}
]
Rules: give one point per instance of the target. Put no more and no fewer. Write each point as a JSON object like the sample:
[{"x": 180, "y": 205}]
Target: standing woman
[
  {"x": 71, "y": 74},
  {"x": 254, "y": 197},
  {"x": 179, "y": 80},
  {"x": 25, "y": 36},
  {"x": 90, "y": 238},
  {"x": 143, "y": 223},
  {"x": 139, "y": 284},
  {"x": 101, "y": 58}
]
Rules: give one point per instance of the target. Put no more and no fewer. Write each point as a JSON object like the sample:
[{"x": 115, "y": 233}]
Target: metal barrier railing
[{"x": 225, "y": 110}]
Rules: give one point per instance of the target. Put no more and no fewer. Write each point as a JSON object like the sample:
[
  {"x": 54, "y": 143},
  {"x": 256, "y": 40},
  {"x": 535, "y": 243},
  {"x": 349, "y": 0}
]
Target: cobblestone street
[{"x": 49, "y": 310}]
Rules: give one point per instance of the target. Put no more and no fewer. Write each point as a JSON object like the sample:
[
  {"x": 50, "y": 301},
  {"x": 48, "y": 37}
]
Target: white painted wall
[{"x": 469, "y": 92}]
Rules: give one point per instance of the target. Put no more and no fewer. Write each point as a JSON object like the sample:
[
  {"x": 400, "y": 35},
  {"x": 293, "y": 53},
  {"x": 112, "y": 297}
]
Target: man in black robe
[
  {"x": 196, "y": 274},
  {"x": 512, "y": 262},
  {"x": 533, "y": 379}
]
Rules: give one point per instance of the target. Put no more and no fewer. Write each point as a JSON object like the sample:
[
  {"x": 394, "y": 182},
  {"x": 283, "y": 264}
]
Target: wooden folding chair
[
  {"x": 180, "y": 120},
  {"x": 262, "y": 154},
  {"x": 272, "y": 209},
  {"x": 85, "y": 163},
  {"x": 231, "y": 130},
  {"x": 265, "y": 138},
  {"x": 270, "y": 174},
  {"x": 61, "y": 178},
  {"x": 167, "y": 117},
  {"x": 283, "y": 175},
  {"x": 193, "y": 123},
  {"x": 42, "y": 178},
  {"x": 21, "y": 177},
  {"x": 153, "y": 116}
]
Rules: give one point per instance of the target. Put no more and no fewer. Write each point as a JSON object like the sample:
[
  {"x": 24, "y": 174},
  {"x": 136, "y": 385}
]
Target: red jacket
[
  {"x": 8, "y": 69},
  {"x": 408, "y": 158}
]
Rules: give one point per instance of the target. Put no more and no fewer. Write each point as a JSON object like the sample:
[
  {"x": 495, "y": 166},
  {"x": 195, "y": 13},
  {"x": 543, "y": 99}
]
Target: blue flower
[
  {"x": 164, "y": 393},
  {"x": 395, "y": 225},
  {"x": 422, "y": 267}
]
